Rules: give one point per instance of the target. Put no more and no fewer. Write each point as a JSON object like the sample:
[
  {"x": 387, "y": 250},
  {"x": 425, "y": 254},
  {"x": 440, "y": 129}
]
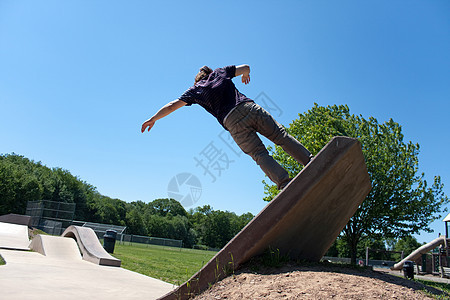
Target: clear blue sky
[{"x": 77, "y": 79}]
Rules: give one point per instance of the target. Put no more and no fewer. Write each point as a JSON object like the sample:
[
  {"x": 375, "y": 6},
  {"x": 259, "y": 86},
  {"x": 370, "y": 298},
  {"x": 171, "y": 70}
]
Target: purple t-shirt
[{"x": 217, "y": 93}]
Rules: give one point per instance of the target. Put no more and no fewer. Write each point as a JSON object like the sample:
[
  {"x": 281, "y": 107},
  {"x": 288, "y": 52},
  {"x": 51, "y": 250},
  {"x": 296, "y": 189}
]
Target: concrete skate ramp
[
  {"x": 14, "y": 236},
  {"x": 56, "y": 247},
  {"x": 90, "y": 246},
  {"x": 302, "y": 221}
]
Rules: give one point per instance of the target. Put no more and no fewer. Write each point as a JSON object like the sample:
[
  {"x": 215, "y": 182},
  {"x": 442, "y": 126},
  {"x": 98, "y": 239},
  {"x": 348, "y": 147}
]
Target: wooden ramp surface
[{"x": 302, "y": 221}]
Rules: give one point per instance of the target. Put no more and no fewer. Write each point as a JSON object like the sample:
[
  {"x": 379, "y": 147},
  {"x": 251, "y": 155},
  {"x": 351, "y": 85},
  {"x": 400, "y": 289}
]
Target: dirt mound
[{"x": 317, "y": 282}]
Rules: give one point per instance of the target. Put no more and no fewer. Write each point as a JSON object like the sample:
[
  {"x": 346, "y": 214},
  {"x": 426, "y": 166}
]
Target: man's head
[{"x": 203, "y": 73}]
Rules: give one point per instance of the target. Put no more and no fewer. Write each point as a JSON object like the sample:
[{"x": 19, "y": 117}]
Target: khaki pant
[{"x": 249, "y": 118}]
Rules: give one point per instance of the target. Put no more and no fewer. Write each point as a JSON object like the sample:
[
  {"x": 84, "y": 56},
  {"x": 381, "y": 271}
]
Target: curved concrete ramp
[
  {"x": 14, "y": 236},
  {"x": 56, "y": 247},
  {"x": 302, "y": 221},
  {"x": 90, "y": 246}
]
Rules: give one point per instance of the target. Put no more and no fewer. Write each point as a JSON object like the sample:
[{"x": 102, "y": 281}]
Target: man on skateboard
[{"x": 241, "y": 116}]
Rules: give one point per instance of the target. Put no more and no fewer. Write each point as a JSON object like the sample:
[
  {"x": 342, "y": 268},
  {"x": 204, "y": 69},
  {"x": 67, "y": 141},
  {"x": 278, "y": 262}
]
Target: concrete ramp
[
  {"x": 14, "y": 236},
  {"x": 56, "y": 247},
  {"x": 90, "y": 246},
  {"x": 302, "y": 221}
]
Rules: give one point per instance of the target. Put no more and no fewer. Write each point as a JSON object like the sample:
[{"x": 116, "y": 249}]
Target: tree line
[{"x": 23, "y": 180}]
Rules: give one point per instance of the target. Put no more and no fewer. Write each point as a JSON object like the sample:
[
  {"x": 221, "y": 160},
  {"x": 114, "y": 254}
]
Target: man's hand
[
  {"x": 243, "y": 70},
  {"x": 245, "y": 78},
  {"x": 149, "y": 123}
]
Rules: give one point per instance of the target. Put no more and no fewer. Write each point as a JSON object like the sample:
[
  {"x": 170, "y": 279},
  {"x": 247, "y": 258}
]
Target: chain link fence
[
  {"x": 100, "y": 230},
  {"x": 50, "y": 216},
  {"x": 148, "y": 240}
]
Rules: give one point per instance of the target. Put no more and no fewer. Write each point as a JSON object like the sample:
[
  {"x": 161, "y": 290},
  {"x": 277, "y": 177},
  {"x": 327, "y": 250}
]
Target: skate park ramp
[
  {"x": 14, "y": 236},
  {"x": 302, "y": 221},
  {"x": 56, "y": 247},
  {"x": 90, "y": 247}
]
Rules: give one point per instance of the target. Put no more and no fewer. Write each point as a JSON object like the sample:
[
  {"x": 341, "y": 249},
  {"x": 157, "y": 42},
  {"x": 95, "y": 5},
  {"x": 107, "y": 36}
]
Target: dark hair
[{"x": 203, "y": 73}]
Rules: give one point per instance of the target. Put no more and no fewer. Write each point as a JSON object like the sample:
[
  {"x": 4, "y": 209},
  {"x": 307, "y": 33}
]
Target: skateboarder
[{"x": 241, "y": 116}]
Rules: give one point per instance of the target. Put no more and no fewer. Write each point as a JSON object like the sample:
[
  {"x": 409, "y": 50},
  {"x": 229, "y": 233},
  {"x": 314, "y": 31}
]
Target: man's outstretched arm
[
  {"x": 243, "y": 70},
  {"x": 164, "y": 111}
]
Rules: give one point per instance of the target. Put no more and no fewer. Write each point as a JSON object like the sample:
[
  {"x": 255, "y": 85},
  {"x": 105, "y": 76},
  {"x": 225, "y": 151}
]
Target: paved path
[{"x": 429, "y": 277}]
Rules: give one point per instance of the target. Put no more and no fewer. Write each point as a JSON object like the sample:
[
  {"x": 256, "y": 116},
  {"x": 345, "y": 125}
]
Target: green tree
[
  {"x": 157, "y": 226},
  {"x": 163, "y": 207},
  {"x": 220, "y": 230},
  {"x": 135, "y": 221},
  {"x": 180, "y": 230},
  {"x": 214, "y": 228},
  {"x": 17, "y": 184},
  {"x": 108, "y": 210},
  {"x": 23, "y": 180},
  {"x": 407, "y": 244},
  {"x": 69, "y": 189},
  {"x": 401, "y": 201},
  {"x": 239, "y": 222}
]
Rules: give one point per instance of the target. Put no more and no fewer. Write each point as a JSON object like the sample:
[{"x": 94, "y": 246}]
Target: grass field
[
  {"x": 440, "y": 286},
  {"x": 173, "y": 265}
]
